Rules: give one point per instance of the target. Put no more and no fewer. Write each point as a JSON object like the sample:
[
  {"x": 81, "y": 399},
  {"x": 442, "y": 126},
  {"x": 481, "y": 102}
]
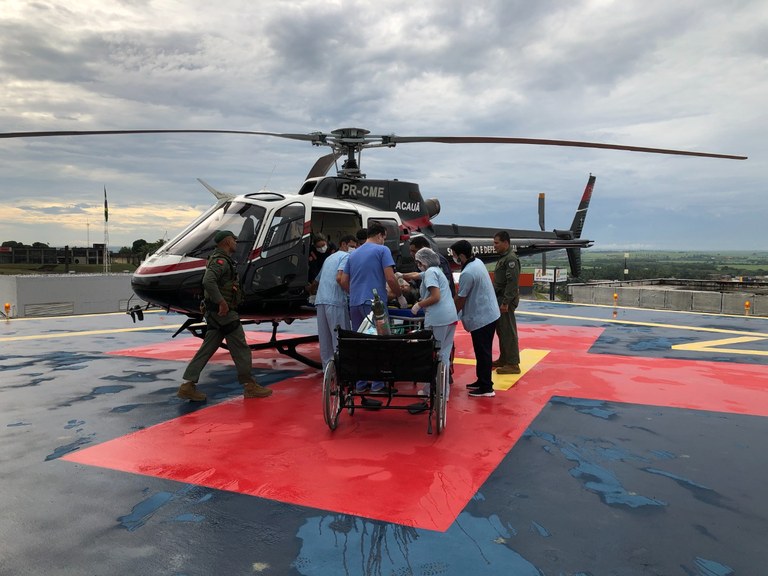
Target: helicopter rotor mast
[{"x": 350, "y": 142}]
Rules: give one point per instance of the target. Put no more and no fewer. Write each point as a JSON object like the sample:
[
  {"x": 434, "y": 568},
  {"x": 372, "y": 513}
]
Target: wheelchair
[{"x": 405, "y": 358}]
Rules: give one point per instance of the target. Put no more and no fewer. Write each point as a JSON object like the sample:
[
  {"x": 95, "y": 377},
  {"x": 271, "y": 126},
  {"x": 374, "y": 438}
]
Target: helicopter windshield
[{"x": 242, "y": 219}]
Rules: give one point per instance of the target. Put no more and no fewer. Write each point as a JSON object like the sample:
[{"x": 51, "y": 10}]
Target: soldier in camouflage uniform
[
  {"x": 506, "y": 284},
  {"x": 221, "y": 287}
]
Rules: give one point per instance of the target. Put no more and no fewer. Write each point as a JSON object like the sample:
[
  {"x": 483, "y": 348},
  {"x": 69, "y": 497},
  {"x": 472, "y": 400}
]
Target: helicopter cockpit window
[
  {"x": 286, "y": 230},
  {"x": 243, "y": 219}
]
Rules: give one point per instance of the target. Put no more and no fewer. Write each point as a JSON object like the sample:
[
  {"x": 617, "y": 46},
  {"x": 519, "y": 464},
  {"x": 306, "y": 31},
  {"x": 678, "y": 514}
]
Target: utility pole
[
  {"x": 541, "y": 225},
  {"x": 107, "y": 264}
]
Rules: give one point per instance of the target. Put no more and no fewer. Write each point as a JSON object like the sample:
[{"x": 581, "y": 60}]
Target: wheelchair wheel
[
  {"x": 441, "y": 396},
  {"x": 331, "y": 396}
]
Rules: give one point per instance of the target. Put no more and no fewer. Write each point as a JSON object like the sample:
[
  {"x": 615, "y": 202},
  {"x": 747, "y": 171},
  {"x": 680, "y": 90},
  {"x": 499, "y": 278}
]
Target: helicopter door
[
  {"x": 281, "y": 273},
  {"x": 245, "y": 241}
]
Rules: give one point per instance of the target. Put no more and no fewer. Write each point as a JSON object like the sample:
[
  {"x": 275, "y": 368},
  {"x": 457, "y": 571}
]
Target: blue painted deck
[{"x": 642, "y": 454}]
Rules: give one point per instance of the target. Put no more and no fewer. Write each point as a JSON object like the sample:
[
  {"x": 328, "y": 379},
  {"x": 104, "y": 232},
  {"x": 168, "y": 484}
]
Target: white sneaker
[{"x": 482, "y": 393}]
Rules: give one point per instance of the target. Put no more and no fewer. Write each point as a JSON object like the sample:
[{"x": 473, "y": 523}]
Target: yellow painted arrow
[
  {"x": 528, "y": 359},
  {"x": 719, "y": 346}
]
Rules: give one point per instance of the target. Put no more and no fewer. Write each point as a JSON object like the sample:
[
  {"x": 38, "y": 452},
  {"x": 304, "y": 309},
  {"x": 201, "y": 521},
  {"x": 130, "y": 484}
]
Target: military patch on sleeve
[
  {"x": 220, "y": 261},
  {"x": 512, "y": 264}
]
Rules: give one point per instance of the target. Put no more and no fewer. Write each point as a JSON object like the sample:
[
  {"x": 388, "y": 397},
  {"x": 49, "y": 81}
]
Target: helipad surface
[{"x": 631, "y": 444}]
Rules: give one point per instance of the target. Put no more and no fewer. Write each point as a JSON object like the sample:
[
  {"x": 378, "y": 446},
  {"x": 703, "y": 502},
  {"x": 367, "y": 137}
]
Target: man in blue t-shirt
[
  {"x": 479, "y": 311},
  {"x": 370, "y": 267}
]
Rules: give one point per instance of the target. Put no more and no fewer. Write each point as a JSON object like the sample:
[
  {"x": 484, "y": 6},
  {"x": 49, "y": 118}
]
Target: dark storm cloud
[
  {"x": 652, "y": 73},
  {"x": 29, "y": 52},
  {"x": 455, "y": 38}
]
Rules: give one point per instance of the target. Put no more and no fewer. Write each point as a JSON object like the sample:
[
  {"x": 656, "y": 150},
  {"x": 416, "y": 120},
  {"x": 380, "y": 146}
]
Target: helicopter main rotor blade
[
  {"x": 367, "y": 140},
  {"x": 51, "y": 133},
  {"x": 571, "y": 143}
]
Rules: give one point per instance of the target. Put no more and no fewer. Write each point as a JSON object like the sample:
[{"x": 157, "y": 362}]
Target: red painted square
[{"x": 383, "y": 465}]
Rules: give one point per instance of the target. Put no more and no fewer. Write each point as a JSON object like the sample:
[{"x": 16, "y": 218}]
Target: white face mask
[
  {"x": 456, "y": 260},
  {"x": 350, "y": 249},
  {"x": 323, "y": 249},
  {"x": 420, "y": 266}
]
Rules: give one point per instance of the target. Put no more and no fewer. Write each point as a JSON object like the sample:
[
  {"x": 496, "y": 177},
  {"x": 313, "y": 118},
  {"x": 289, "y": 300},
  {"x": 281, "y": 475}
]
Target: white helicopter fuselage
[{"x": 274, "y": 233}]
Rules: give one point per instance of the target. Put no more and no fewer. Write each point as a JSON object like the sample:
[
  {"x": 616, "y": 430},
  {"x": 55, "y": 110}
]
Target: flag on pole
[{"x": 106, "y": 207}]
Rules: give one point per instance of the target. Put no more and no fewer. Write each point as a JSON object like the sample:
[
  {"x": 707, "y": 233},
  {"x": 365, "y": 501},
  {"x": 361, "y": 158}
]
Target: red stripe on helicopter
[
  {"x": 190, "y": 265},
  {"x": 416, "y": 224},
  {"x": 307, "y": 227}
]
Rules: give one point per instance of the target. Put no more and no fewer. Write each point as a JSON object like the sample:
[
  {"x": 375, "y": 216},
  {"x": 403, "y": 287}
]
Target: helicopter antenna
[{"x": 264, "y": 188}]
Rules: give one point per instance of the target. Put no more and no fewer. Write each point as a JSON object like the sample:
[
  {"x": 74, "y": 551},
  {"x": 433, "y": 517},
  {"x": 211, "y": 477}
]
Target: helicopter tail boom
[{"x": 525, "y": 242}]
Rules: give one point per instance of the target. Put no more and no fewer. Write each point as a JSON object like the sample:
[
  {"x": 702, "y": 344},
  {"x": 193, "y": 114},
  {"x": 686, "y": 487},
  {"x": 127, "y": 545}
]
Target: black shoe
[
  {"x": 473, "y": 386},
  {"x": 482, "y": 393},
  {"x": 369, "y": 403}
]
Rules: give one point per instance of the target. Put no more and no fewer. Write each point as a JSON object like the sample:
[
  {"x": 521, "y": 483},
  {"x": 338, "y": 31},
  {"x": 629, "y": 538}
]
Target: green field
[{"x": 643, "y": 264}]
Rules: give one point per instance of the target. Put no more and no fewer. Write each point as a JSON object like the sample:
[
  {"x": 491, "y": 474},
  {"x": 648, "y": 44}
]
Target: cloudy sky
[{"x": 690, "y": 74}]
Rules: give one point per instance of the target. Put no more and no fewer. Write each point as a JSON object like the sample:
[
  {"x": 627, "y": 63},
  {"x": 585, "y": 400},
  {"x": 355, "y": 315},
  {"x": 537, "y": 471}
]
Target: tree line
[{"x": 139, "y": 250}]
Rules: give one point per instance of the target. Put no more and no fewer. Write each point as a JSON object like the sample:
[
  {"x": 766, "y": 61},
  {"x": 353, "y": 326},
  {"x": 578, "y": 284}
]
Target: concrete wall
[
  {"x": 8, "y": 292},
  {"x": 647, "y": 296},
  {"x": 59, "y": 295},
  {"x": 707, "y": 302}
]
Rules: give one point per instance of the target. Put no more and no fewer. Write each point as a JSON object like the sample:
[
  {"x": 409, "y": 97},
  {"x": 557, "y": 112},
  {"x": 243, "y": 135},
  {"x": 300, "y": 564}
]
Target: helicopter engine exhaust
[{"x": 433, "y": 206}]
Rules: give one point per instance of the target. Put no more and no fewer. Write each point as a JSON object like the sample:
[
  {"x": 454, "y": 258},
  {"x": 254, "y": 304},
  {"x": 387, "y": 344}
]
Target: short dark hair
[
  {"x": 420, "y": 242},
  {"x": 376, "y": 228},
  {"x": 362, "y": 235},
  {"x": 347, "y": 238},
  {"x": 462, "y": 247},
  {"x": 502, "y": 235}
]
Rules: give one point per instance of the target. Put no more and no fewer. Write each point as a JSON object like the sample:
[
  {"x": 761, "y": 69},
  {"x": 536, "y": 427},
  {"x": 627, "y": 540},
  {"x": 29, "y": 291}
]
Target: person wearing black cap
[
  {"x": 479, "y": 311},
  {"x": 221, "y": 287}
]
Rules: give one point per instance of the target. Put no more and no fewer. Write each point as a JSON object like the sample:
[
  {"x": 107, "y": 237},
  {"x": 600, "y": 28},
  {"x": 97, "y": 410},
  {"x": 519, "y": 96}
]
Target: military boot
[
  {"x": 509, "y": 369},
  {"x": 189, "y": 391},
  {"x": 254, "y": 390}
]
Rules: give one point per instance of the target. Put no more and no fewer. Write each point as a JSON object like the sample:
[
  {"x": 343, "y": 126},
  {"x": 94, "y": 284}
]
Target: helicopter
[{"x": 275, "y": 230}]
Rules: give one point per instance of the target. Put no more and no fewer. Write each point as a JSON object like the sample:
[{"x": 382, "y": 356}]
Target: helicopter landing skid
[{"x": 286, "y": 346}]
